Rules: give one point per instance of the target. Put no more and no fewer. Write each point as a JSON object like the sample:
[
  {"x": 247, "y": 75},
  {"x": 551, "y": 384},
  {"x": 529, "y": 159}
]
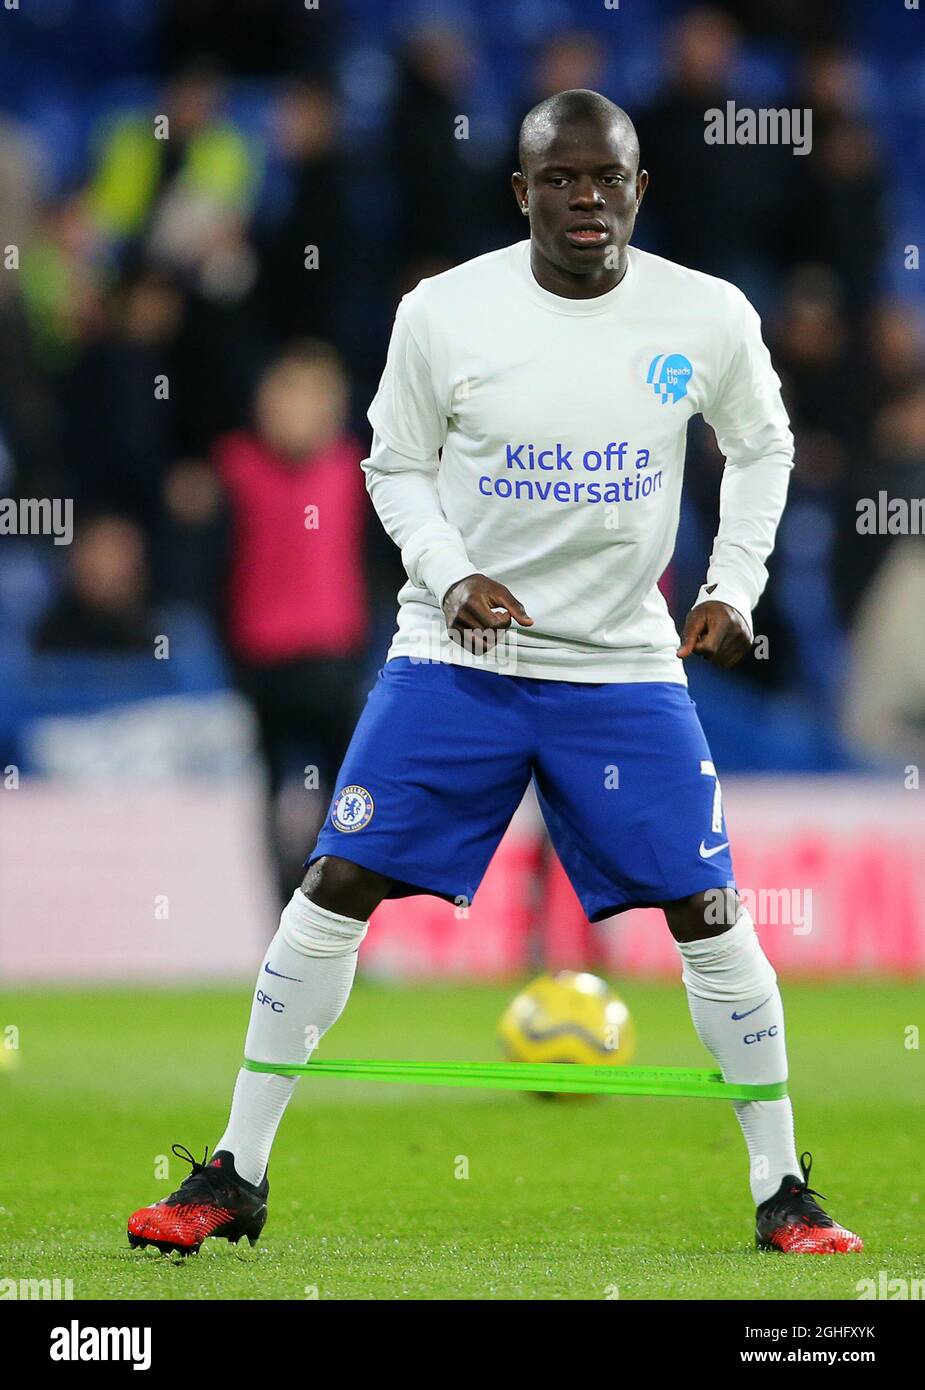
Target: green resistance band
[{"x": 566, "y": 1077}]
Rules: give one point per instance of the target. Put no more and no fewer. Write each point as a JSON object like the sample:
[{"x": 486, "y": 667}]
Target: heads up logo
[{"x": 669, "y": 376}]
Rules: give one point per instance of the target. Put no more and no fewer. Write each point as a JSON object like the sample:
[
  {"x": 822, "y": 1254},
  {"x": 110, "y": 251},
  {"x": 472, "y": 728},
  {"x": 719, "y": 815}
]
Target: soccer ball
[{"x": 568, "y": 1017}]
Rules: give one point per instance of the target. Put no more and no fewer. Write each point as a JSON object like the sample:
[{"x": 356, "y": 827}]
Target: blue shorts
[{"x": 442, "y": 755}]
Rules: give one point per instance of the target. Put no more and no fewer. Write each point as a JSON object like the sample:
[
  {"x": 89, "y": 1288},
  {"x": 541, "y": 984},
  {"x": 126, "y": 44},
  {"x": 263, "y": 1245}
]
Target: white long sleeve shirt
[{"x": 540, "y": 440}]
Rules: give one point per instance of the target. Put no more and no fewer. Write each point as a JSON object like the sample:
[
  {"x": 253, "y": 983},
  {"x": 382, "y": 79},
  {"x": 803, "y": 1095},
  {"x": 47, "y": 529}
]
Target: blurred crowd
[{"x": 195, "y": 326}]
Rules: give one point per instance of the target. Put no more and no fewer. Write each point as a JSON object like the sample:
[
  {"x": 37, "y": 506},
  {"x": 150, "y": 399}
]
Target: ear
[
  {"x": 519, "y": 185},
  {"x": 642, "y": 183}
]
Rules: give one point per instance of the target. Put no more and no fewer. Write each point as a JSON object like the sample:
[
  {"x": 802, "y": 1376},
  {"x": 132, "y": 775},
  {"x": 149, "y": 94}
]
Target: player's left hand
[{"x": 716, "y": 631}]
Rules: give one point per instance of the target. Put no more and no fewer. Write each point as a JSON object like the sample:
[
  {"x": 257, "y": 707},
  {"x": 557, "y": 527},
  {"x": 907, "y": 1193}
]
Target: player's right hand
[{"x": 478, "y": 608}]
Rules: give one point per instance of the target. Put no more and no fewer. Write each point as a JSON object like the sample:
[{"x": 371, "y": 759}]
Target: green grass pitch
[{"x": 577, "y": 1199}]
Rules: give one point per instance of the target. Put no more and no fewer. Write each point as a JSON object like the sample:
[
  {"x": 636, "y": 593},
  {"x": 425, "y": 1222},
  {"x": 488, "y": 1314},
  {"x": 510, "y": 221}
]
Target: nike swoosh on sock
[{"x": 737, "y": 1017}]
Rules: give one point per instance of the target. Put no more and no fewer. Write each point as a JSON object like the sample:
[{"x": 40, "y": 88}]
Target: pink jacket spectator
[{"x": 297, "y": 586}]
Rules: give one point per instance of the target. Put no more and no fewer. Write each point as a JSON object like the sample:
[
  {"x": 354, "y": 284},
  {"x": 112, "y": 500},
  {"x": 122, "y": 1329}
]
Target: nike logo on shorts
[{"x": 709, "y": 853}]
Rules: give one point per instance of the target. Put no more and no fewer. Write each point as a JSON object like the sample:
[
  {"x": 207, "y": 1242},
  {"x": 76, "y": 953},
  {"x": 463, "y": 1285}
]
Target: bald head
[
  {"x": 547, "y": 120},
  {"x": 581, "y": 186}
]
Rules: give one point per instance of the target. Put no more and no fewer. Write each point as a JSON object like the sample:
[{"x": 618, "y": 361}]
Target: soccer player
[{"x": 528, "y": 446}]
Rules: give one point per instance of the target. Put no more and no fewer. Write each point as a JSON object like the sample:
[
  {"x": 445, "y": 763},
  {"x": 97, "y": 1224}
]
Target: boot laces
[
  {"x": 203, "y": 1181},
  {"x": 801, "y": 1201}
]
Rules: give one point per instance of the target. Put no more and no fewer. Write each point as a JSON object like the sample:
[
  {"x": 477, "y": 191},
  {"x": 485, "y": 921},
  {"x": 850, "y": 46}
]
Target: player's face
[{"x": 582, "y": 190}]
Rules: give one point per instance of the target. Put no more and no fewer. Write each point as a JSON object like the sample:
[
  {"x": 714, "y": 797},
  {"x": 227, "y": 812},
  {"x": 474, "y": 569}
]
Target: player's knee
[
  {"x": 348, "y": 889},
  {"x": 702, "y": 915},
  {"x": 725, "y": 962}
]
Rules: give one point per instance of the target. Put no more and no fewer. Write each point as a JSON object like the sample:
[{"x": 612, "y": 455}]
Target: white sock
[
  {"x": 739, "y": 1017},
  {"x": 303, "y": 985}
]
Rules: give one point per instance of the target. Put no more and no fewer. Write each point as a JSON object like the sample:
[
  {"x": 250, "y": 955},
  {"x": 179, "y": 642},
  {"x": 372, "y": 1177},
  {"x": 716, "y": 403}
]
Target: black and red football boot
[
  {"x": 793, "y": 1222},
  {"x": 212, "y": 1201}
]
